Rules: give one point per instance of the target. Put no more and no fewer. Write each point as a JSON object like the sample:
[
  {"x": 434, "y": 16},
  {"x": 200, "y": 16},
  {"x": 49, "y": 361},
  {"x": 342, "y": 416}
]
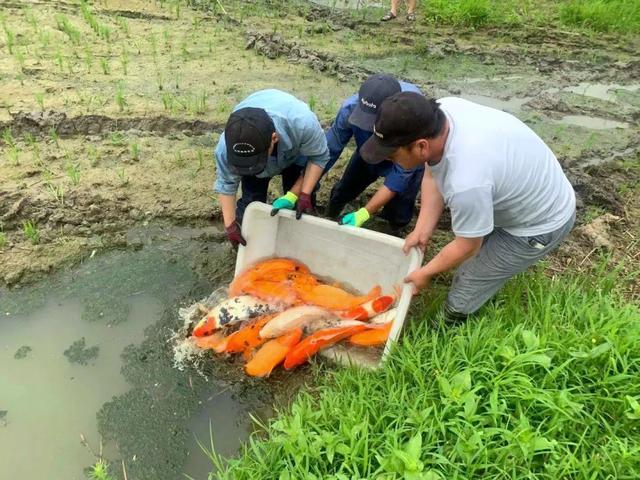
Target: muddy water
[{"x": 86, "y": 352}]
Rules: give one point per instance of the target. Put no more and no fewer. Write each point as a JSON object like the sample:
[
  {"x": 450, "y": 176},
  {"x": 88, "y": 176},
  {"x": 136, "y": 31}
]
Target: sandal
[
  {"x": 388, "y": 16},
  {"x": 411, "y": 17}
]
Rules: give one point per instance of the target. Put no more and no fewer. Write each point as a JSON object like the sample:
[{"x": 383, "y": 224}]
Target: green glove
[
  {"x": 356, "y": 219},
  {"x": 287, "y": 202}
]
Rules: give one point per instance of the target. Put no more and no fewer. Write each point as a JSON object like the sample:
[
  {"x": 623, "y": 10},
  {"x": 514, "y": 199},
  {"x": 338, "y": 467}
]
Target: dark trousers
[
  {"x": 356, "y": 178},
  {"x": 255, "y": 189}
]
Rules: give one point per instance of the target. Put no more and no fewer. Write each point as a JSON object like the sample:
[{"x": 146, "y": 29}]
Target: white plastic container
[{"x": 356, "y": 257}]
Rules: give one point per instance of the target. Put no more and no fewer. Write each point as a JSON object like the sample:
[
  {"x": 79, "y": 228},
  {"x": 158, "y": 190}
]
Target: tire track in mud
[{"x": 40, "y": 124}]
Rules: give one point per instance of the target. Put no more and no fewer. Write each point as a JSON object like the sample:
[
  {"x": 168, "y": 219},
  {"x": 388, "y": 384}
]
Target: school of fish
[{"x": 278, "y": 312}]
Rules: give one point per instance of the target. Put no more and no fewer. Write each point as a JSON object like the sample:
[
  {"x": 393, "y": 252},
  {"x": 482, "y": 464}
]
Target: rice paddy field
[{"x": 109, "y": 111}]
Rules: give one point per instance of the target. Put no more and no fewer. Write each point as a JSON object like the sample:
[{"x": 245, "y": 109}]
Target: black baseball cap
[
  {"x": 402, "y": 119},
  {"x": 373, "y": 92},
  {"x": 248, "y": 137}
]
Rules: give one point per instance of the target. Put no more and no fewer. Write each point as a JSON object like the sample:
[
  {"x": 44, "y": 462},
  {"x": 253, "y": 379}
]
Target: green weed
[
  {"x": 122, "y": 175},
  {"x": 7, "y": 137},
  {"x": 14, "y": 155},
  {"x": 541, "y": 384},
  {"x": 116, "y": 139},
  {"x": 3, "y": 240},
  {"x": 602, "y": 15},
  {"x": 100, "y": 471},
  {"x": 30, "y": 231}
]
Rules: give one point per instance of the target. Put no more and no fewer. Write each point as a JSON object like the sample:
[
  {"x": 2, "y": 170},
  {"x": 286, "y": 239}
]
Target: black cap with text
[
  {"x": 248, "y": 137},
  {"x": 373, "y": 92},
  {"x": 402, "y": 119}
]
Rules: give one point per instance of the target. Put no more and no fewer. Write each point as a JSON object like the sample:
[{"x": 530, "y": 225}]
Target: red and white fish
[{"x": 371, "y": 308}]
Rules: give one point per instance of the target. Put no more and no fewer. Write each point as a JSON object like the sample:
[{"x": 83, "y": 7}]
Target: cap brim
[
  {"x": 373, "y": 151},
  {"x": 362, "y": 119},
  {"x": 247, "y": 166}
]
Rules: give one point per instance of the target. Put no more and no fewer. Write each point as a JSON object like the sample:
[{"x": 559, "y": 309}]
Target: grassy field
[
  {"x": 597, "y": 15},
  {"x": 544, "y": 384}
]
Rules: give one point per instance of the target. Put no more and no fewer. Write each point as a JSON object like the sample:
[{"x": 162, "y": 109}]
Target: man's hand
[
  {"x": 418, "y": 239},
  {"x": 304, "y": 205},
  {"x": 419, "y": 280},
  {"x": 287, "y": 202},
  {"x": 355, "y": 219},
  {"x": 234, "y": 235}
]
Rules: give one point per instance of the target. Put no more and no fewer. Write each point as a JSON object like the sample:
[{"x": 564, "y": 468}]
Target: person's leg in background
[
  {"x": 254, "y": 189},
  {"x": 356, "y": 178},
  {"x": 393, "y": 12}
]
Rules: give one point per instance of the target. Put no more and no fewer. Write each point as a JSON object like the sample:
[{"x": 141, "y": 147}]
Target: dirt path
[{"x": 109, "y": 114}]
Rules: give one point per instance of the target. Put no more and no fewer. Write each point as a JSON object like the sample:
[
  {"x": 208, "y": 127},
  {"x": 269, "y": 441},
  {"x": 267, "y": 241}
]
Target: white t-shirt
[{"x": 496, "y": 172}]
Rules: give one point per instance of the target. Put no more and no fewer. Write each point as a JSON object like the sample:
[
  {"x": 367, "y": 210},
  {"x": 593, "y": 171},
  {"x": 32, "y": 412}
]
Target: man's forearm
[
  {"x": 379, "y": 199},
  {"x": 228, "y": 205},
  {"x": 311, "y": 177},
  {"x": 452, "y": 255}
]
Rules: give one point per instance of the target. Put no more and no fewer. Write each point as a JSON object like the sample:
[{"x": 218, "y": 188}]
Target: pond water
[{"x": 87, "y": 353}]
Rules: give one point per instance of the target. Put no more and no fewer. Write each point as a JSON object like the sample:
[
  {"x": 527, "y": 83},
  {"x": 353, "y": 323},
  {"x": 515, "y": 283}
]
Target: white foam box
[{"x": 357, "y": 258}]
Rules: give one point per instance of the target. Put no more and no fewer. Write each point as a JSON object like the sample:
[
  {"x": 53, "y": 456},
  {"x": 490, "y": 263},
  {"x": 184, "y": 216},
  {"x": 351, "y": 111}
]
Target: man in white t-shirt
[{"x": 510, "y": 201}]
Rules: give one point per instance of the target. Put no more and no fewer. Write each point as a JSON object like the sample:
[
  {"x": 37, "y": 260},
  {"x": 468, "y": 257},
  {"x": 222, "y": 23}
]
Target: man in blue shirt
[
  {"x": 269, "y": 133},
  {"x": 397, "y": 196}
]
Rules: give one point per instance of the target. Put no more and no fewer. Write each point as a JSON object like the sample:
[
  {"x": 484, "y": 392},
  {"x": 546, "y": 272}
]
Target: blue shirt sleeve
[
  {"x": 226, "y": 182},
  {"x": 313, "y": 143},
  {"x": 398, "y": 179},
  {"x": 340, "y": 132}
]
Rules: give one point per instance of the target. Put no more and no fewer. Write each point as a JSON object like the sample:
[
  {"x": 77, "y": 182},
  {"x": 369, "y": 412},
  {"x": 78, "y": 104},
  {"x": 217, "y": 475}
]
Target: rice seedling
[
  {"x": 167, "y": 39},
  {"x": 40, "y": 99},
  {"x": 53, "y": 135},
  {"x": 123, "y": 24},
  {"x": 179, "y": 160},
  {"x": 542, "y": 383},
  {"x": 122, "y": 175},
  {"x": 88, "y": 58},
  {"x": 104, "y": 65},
  {"x": 14, "y": 155},
  {"x": 94, "y": 155},
  {"x": 120, "y": 96},
  {"x": 3, "y": 239},
  {"x": 73, "y": 173},
  {"x": 30, "y": 231},
  {"x": 7, "y": 137},
  {"x": 116, "y": 139},
  {"x": 167, "y": 101},
  {"x": 313, "y": 103},
  {"x": 20, "y": 58},
  {"x": 65, "y": 26},
  {"x": 60, "y": 59},
  {"x": 134, "y": 148},
  {"x": 124, "y": 60},
  {"x": 44, "y": 37},
  {"x": 10, "y": 39},
  {"x": 33, "y": 21}
]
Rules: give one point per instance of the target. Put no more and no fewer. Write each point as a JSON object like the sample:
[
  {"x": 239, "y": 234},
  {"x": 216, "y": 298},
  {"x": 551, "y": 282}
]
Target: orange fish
[
  {"x": 272, "y": 353},
  {"x": 272, "y": 292},
  {"x": 248, "y": 337},
  {"x": 269, "y": 269},
  {"x": 316, "y": 342},
  {"x": 334, "y": 298},
  {"x": 376, "y": 335},
  {"x": 371, "y": 308},
  {"x": 216, "y": 342}
]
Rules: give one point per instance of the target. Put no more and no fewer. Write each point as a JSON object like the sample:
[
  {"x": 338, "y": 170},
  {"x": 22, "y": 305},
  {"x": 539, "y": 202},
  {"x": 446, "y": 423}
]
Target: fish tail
[{"x": 371, "y": 336}]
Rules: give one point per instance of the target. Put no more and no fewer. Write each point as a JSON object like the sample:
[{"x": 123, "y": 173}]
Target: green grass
[
  {"x": 596, "y": 15},
  {"x": 542, "y": 384}
]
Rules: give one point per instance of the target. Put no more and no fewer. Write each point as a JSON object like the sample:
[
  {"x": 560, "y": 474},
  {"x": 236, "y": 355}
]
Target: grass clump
[
  {"x": 542, "y": 384},
  {"x": 31, "y": 233},
  {"x": 602, "y": 15}
]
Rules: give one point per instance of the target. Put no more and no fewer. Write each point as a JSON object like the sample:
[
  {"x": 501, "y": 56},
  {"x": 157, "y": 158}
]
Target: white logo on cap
[
  {"x": 243, "y": 148},
  {"x": 368, "y": 104},
  {"x": 376, "y": 133}
]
